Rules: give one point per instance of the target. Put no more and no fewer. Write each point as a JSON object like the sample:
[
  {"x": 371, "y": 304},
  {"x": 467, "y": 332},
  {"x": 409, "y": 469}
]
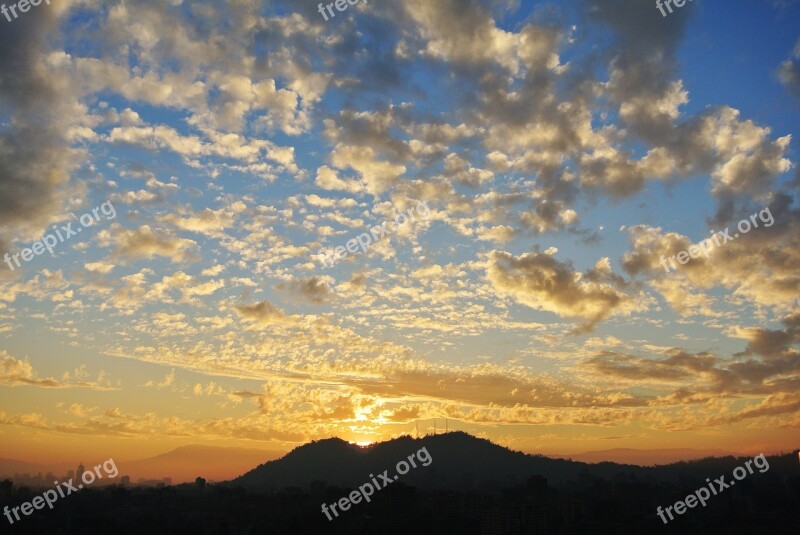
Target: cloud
[
  {"x": 760, "y": 266},
  {"x": 470, "y": 39},
  {"x": 35, "y": 154},
  {"x": 146, "y": 243},
  {"x": 773, "y": 343},
  {"x": 377, "y": 175},
  {"x": 263, "y": 313},
  {"x": 315, "y": 290},
  {"x": 167, "y": 381},
  {"x": 789, "y": 72},
  {"x": 15, "y": 372},
  {"x": 541, "y": 282},
  {"x": 679, "y": 368},
  {"x": 643, "y": 60},
  {"x": 210, "y": 389},
  {"x": 115, "y": 423},
  {"x": 327, "y": 179},
  {"x": 767, "y": 367},
  {"x": 102, "y": 268}
]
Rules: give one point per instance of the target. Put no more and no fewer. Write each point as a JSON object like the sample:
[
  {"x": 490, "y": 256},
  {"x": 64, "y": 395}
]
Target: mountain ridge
[
  {"x": 645, "y": 457},
  {"x": 458, "y": 460},
  {"x": 337, "y": 462}
]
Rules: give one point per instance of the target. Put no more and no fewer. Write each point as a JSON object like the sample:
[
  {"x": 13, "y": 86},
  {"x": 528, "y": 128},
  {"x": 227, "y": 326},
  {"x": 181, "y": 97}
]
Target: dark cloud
[
  {"x": 314, "y": 290},
  {"x": 775, "y": 343},
  {"x": 264, "y": 313},
  {"x": 642, "y": 54},
  {"x": 35, "y": 159},
  {"x": 789, "y": 72},
  {"x": 768, "y": 366}
]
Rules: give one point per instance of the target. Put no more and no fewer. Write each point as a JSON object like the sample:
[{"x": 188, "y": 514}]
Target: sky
[{"x": 549, "y": 157}]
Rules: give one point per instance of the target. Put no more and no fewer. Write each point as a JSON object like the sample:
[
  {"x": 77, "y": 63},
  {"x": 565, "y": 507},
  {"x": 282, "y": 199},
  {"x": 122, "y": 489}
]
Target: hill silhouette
[
  {"x": 459, "y": 459},
  {"x": 456, "y": 456},
  {"x": 644, "y": 457}
]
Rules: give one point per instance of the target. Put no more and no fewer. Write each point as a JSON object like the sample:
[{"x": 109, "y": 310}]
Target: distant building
[
  {"x": 6, "y": 487},
  {"x": 537, "y": 487},
  {"x": 318, "y": 488},
  {"x": 397, "y": 505},
  {"x": 125, "y": 480},
  {"x": 200, "y": 483},
  {"x": 81, "y": 470}
]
